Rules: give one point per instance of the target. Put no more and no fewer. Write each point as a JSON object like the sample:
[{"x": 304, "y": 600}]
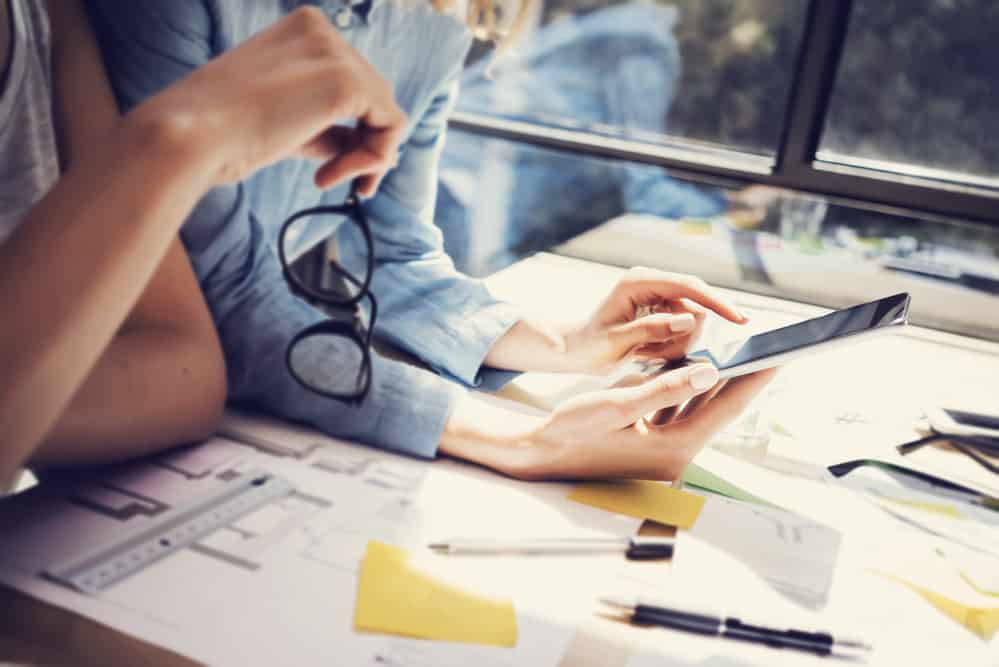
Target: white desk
[
  {"x": 880, "y": 384},
  {"x": 708, "y": 251}
]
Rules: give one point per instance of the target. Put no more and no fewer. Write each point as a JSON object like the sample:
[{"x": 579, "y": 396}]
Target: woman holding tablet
[{"x": 448, "y": 321}]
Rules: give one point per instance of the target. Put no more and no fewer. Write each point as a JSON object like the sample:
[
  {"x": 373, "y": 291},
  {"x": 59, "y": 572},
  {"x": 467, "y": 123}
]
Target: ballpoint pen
[
  {"x": 708, "y": 623},
  {"x": 635, "y": 548}
]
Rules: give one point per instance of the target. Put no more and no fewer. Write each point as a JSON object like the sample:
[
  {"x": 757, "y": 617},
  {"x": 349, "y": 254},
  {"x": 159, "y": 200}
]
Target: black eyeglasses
[{"x": 332, "y": 358}]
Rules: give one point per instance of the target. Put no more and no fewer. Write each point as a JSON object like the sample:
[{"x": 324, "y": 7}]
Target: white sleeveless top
[{"x": 29, "y": 158}]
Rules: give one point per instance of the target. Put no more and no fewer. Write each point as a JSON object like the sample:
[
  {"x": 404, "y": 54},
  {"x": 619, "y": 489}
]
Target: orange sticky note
[
  {"x": 395, "y": 596},
  {"x": 643, "y": 500}
]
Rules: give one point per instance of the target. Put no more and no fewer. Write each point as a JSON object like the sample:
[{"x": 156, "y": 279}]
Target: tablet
[
  {"x": 777, "y": 347},
  {"x": 962, "y": 422}
]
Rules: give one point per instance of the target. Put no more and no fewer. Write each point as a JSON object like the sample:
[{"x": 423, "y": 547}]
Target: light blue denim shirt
[{"x": 426, "y": 307}]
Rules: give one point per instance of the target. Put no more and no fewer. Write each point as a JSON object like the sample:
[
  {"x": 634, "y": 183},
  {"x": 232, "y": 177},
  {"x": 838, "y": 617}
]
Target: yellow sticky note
[
  {"x": 982, "y": 621},
  {"x": 643, "y": 500},
  {"x": 396, "y": 597},
  {"x": 696, "y": 226}
]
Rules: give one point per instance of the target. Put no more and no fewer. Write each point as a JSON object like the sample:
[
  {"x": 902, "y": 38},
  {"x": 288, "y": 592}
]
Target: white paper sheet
[
  {"x": 277, "y": 586},
  {"x": 793, "y": 554}
]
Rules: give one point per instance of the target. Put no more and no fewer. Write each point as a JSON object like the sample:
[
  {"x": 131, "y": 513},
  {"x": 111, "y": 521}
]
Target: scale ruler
[{"x": 132, "y": 553}]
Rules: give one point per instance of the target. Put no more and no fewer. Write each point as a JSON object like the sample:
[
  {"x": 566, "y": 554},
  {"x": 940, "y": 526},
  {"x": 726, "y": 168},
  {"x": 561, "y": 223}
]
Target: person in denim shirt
[
  {"x": 617, "y": 68},
  {"x": 445, "y": 319}
]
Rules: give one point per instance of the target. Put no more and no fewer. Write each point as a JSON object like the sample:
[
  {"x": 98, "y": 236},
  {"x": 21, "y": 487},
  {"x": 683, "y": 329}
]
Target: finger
[
  {"x": 701, "y": 316},
  {"x": 359, "y": 152},
  {"x": 330, "y": 143},
  {"x": 673, "y": 388},
  {"x": 656, "y": 328},
  {"x": 653, "y": 350},
  {"x": 681, "y": 306},
  {"x": 699, "y": 312},
  {"x": 690, "y": 407},
  {"x": 387, "y": 116},
  {"x": 367, "y": 185},
  {"x": 671, "y": 350},
  {"x": 726, "y": 407},
  {"x": 678, "y": 346},
  {"x": 347, "y": 166},
  {"x": 643, "y": 285},
  {"x": 631, "y": 380},
  {"x": 665, "y": 416},
  {"x": 384, "y": 142},
  {"x": 699, "y": 401}
]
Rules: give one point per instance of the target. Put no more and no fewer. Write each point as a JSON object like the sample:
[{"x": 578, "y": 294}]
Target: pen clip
[{"x": 649, "y": 548}]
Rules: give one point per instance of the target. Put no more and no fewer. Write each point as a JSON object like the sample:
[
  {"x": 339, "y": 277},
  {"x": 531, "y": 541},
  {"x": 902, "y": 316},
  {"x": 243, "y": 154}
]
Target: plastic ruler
[{"x": 135, "y": 551}]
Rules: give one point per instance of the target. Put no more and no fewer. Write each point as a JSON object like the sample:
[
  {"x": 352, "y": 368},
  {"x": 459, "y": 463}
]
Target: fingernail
[
  {"x": 704, "y": 376},
  {"x": 682, "y": 323}
]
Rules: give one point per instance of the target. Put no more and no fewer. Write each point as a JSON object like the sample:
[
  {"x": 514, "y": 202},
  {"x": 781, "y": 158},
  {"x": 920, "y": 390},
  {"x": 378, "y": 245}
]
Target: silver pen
[{"x": 635, "y": 548}]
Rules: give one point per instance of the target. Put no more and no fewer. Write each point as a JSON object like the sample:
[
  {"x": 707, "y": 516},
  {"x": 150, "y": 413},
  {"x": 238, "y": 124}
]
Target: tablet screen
[{"x": 847, "y": 322}]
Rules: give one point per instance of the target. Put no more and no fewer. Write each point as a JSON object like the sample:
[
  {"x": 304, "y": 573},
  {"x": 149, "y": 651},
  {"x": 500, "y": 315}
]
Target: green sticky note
[{"x": 700, "y": 478}]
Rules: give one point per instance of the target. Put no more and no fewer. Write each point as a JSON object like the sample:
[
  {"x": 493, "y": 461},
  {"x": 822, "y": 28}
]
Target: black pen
[{"x": 715, "y": 625}]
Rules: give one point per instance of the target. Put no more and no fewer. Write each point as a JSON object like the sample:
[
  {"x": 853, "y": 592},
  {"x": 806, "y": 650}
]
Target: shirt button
[{"x": 343, "y": 18}]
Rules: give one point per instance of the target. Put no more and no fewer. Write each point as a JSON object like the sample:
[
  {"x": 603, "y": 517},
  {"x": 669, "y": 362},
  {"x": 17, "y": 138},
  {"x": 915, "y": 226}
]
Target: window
[
  {"x": 658, "y": 73},
  {"x": 917, "y": 92},
  {"x": 801, "y": 149},
  {"x": 499, "y": 200},
  {"x": 502, "y": 200}
]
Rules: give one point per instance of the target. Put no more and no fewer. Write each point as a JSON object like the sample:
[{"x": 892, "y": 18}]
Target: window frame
[{"x": 796, "y": 165}]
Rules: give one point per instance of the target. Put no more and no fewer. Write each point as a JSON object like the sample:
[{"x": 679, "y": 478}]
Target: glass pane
[
  {"x": 917, "y": 89},
  {"x": 719, "y": 69},
  {"x": 500, "y": 201}
]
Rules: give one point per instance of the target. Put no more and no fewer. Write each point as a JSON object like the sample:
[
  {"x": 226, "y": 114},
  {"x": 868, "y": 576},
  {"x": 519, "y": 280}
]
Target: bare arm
[
  {"x": 161, "y": 381},
  {"x": 71, "y": 285},
  {"x": 72, "y": 273},
  {"x": 603, "y": 433}
]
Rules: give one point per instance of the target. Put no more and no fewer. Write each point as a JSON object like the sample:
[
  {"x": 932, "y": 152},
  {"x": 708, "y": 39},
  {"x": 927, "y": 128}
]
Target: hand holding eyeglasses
[{"x": 279, "y": 95}]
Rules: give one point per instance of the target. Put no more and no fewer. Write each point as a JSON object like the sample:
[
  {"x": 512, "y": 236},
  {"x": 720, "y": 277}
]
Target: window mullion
[{"x": 822, "y": 42}]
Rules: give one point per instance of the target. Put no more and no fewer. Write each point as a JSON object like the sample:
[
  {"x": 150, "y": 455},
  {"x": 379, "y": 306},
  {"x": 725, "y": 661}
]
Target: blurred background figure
[{"x": 610, "y": 71}]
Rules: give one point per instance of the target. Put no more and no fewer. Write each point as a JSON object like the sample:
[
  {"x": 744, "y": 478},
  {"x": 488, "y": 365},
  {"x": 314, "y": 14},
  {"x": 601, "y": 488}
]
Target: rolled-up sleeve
[
  {"x": 426, "y": 306},
  {"x": 148, "y": 46}
]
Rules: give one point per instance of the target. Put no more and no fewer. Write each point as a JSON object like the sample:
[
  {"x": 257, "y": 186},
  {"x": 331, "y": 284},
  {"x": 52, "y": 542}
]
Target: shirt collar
[{"x": 361, "y": 9}]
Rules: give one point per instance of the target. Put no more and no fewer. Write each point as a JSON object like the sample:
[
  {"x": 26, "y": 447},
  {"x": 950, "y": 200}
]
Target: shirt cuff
[
  {"x": 474, "y": 336},
  {"x": 414, "y": 406}
]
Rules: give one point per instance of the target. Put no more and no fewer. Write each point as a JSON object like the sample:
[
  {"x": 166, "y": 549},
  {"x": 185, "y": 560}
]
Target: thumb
[
  {"x": 666, "y": 390},
  {"x": 655, "y": 328}
]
